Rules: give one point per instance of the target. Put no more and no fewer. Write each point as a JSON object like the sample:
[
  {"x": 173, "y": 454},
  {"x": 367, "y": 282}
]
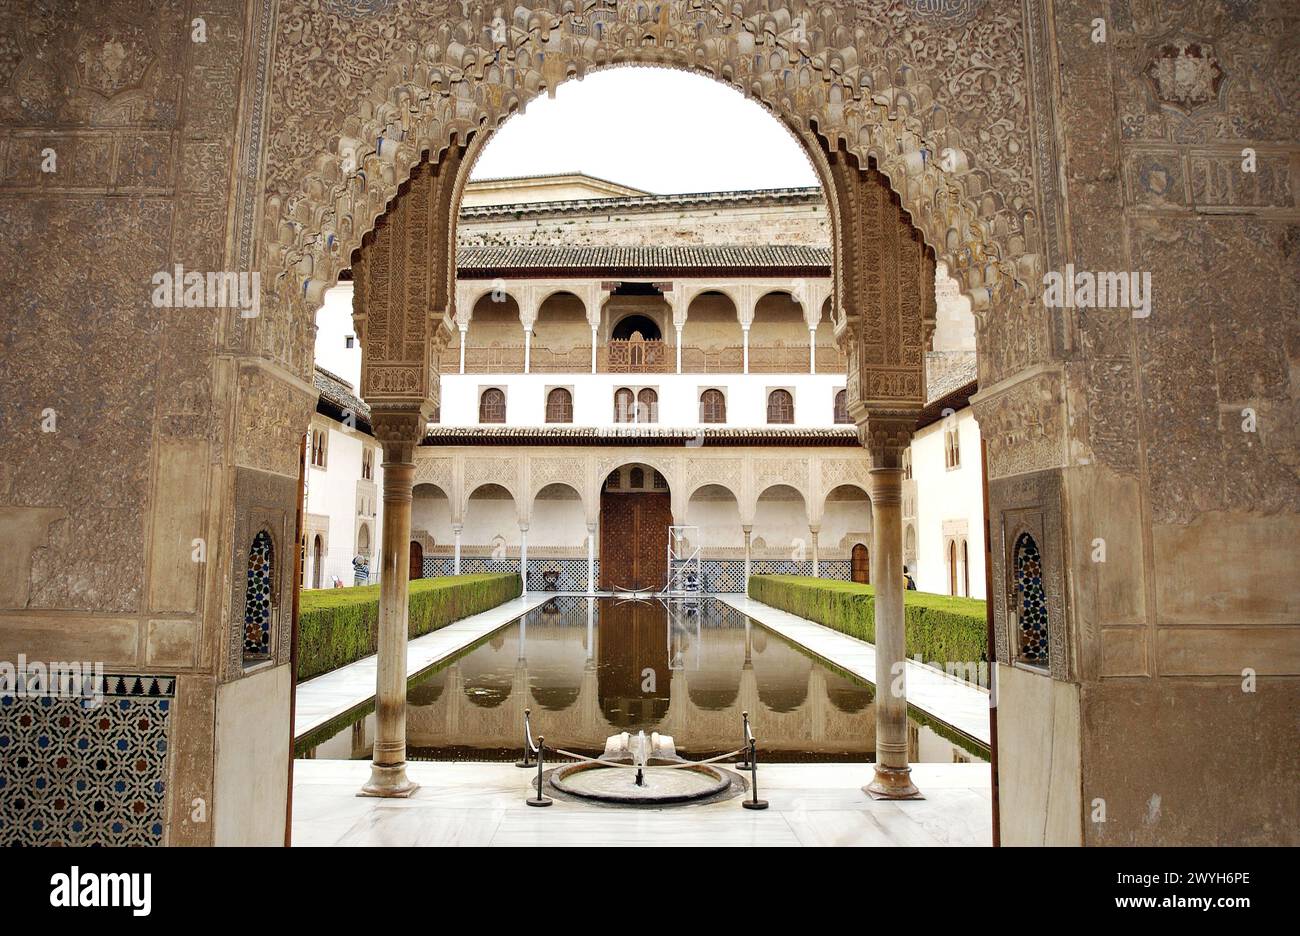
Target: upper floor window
[
  {"x": 647, "y": 406},
  {"x": 780, "y": 407},
  {"x": 713, "y": 407},
  {"x": 951, "y": 448},
  {"x": 559, "y": 406},
  {"x": 842, "y": 407},
  {"x": 492, "y": 406},
  {"x": 368, "y": 464},
  {"x": 318, "y": 447},
  {"x": 624, "y": 405}
]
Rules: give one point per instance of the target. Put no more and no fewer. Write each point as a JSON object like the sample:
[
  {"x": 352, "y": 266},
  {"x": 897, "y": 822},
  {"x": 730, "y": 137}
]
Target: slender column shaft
[
  {"x": 462, "y": 349},
  {"x": 523, "y": 556},
  {"x": 892, "y": 772},
  {"x": 748, "y": 531},
  {"x": 528, "y": 346},
  {"x": 812, "y": 350},
  {"x": 591, "y": 559},
  {"x": 455, "y": 563},
  {"x": 744, "y": 340},
  {"x": 679, "y": 349},
  {"x": 593, "y": 349},
  {"x": 816, "y": 566},
  {"x": 388, "y": 770}
]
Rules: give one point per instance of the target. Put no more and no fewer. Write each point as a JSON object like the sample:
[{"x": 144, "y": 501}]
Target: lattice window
[
  {"x": 647, "y": 406},
  {"x": 713, "y": 407},
  {"x": 559, "y": 406},
  {"x": 624, "y": 408},
  {"x": 492, "y": 406},
  {"x": 259, "y": 596},
  {"x": 780, "y": 407},
  {"x": 1030, "y": 600},
  {"x": 842, "y": 407},
  {"x": 660, "y": 482}
]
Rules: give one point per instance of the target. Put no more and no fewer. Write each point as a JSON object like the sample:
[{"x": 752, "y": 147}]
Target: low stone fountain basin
[{"x": 599, "y": 780}]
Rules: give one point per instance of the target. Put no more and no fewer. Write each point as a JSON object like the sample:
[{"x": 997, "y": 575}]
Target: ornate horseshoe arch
[{"x": 840, "y": 80}]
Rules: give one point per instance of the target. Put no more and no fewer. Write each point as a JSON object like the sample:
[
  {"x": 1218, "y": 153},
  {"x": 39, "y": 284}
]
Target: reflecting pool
[{"x": 590, "y": 668}]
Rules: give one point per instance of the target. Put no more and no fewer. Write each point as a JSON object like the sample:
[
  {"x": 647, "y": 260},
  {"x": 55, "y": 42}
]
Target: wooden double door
[{"x": 634, "y": 540}]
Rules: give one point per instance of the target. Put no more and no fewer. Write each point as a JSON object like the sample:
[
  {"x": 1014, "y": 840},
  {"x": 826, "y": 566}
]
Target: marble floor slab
[
  {"x": 483, "y": 804},
  {"x": 947, "y": 698},
  {"x": 331, "y": 694}
]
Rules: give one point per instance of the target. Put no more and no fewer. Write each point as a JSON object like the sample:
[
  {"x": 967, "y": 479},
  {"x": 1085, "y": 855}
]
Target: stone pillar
[
  {"x": 399, "y": 433},
  {"x": 593, "y": 349},
  {"x": 892, "y": 773},
  {"x": 679, "y": 349},
  {"x": 812, "y": 349},
  {"x": 464, "y": 330},
  {"x": 591, "y": 559},
  {"x": 455, "y": 563},
  {"x": 747, "y": 530},
  {"x": 528, "y": 346},
  {"x": 812, "y": 536},
  {"x": 523, "y": 556},
  {"x": 744, "y": 340}
]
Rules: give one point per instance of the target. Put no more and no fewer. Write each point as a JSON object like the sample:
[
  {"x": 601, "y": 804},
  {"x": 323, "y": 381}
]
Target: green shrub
[
  {"x": 337, "y": 626},
  {"x": 940, "y": 628}
]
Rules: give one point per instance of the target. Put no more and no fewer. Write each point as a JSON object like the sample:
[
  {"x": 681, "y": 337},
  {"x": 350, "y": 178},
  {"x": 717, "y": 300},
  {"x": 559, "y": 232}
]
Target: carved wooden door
[
  {"x": 634, "y": 540},
  {"x": 861, "y": 564},
  {"x": 417, "y": 560}
]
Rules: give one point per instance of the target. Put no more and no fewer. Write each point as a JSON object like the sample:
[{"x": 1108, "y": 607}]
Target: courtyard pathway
[
  {"x": 332, "y": 694},
  {"x": 947, "y": 698},
  {"x": 483, "y": 804}
]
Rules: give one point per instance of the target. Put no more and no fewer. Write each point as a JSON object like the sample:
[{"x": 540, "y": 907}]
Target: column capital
[
  {"x": 886, "y": 435},
  {"x": 399, "y": 429}
]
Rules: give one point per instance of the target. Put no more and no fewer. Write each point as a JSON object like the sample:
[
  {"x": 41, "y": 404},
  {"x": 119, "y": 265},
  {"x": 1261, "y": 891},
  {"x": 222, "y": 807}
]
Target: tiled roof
[
  {"x": 639, "y": 435},
  {"x": 613, "y": 259},
  {"x": 337, "y": 397},
  {"x": 747, "y": 197},
  {"x": 952, "y": 379}
]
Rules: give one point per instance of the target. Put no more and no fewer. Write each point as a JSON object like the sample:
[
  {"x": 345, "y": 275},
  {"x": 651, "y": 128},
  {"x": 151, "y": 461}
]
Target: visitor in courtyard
[{"x": 360, "y": 570}]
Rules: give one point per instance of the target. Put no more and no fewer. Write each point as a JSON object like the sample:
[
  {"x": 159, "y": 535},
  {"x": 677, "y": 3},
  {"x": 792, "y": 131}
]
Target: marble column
[
  {"x": 455, "y": 563},
  {"x": 523, "y": 556},
  {"x": 744, "y": 340},
  {"x": 747, "y": 530},
  {"x": 812, "y": 350},
  {"x": 591, "y": 559},
  {"x": 892, "y": 774},
  {"x": 679, "y": 349},
  {"x": 528, "y": 347},
  {"x": 812, "y": 537},
  {"x": 399, "y": 433},
  {"x": 464, "y": 329},
  {"x": 593, "y": 349}
]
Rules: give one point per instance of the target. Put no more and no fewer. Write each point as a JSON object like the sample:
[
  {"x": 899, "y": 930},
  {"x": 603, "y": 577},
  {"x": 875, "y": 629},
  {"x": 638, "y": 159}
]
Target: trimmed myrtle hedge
[
  {"x": 337, "y": 626},
  {"x": 940, "y": 628}
]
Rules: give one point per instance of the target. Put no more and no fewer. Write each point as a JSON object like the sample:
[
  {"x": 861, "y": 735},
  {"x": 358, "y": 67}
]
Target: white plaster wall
[
  {"x": 251, "y": 782},
  {"x": 332, "y": 491},
  {"x": 842, "y": 517},
  {"x": 558, "y": 522},
  {"x": 718, "y": 519},
  {"x": 333, "y": 325},
  {"x": 948, "y": 495},
  {"x": 431, "y": 512},
  {"x": 489, "y": 517},
  {"x": 783, "y": 524},
  {"x": 593, "y": 397}
]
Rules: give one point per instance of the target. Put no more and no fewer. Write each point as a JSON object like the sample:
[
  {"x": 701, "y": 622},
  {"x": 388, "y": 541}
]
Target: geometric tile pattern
[
  {"x": 258, "y": 588},
  {"x": 1032, "y": 601},
  {"x": 79, "y": 771}
]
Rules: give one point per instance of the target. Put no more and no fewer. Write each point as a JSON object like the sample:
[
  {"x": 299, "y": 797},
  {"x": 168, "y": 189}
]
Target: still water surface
[{"x": 589, "y": 668}]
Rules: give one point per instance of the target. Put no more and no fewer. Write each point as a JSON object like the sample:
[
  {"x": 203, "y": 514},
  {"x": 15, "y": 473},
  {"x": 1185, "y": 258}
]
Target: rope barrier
[{"x": 605, "y": 763}]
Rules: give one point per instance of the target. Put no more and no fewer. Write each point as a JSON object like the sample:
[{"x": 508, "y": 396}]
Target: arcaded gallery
[{"x": 760, "y": 423}]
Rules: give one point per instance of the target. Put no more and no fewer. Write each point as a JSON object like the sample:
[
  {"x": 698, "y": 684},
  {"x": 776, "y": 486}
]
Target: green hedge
[
  {"x": 940, "y": 628},
  {"x": 337, "y": 626}
]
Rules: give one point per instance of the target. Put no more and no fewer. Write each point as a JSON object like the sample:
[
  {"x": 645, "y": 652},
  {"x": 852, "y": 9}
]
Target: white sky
[{"x": 656, "y": 129}]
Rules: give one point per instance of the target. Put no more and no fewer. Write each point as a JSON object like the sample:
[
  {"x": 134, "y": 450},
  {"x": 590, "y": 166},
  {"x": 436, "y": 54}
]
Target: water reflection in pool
[{"x": 589, "y": 668}]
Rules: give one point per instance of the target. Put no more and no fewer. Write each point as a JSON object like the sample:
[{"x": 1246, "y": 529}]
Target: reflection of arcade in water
[{"x": 589, "y": 668}]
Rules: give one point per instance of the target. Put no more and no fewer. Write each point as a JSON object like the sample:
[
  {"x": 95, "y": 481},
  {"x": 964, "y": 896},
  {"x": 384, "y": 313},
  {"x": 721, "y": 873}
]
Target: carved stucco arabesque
[{"x": 384, "y": 83}]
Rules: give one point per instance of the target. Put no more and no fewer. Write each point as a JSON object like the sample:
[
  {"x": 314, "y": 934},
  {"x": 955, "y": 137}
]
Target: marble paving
[
  {"x": 483, "y": 804},
  {"x": 331, "y": 694},
  {"x": 947, "y": 698}
]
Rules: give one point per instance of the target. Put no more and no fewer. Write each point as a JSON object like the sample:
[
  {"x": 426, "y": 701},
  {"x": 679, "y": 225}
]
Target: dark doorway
[
  {"x": 417, "y": 560},
  {"x": 634, "y": 324},
  {"x": 634, "y": 540},
  {"x": 861, "y": 564}
]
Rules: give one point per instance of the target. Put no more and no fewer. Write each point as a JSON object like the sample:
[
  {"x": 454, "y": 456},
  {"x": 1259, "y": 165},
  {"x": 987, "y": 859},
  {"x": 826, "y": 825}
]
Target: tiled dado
[
  {"x": 146, "y": 641},
  {"x": 720, "y": 575},
  {"x": 73, "y": 772}
]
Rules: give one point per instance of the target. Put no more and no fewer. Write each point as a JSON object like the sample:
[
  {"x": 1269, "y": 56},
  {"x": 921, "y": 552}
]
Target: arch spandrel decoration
[{"x": 873, "y": 82}]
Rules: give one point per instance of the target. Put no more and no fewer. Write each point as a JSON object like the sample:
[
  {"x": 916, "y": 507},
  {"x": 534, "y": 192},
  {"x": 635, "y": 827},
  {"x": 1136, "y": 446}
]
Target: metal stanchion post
[
  {"x": 541, "y": 757},
  {"x": 754, "y": 802}
]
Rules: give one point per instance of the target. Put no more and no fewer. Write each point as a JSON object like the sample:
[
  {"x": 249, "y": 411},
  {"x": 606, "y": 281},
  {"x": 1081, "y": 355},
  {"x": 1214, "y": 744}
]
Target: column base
[
  {"x": 388, "y": 780},
  {"x": 892, "y": 783}
]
